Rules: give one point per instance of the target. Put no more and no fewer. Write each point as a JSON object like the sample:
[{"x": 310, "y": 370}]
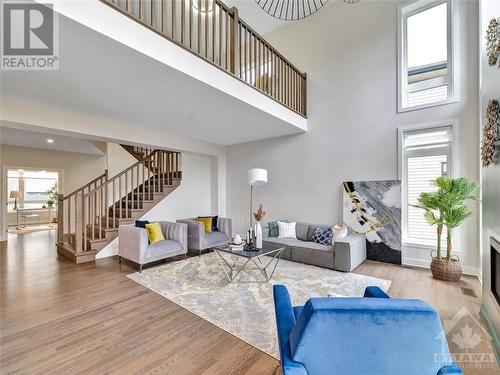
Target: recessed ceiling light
[{"x": 50, "y": 140}]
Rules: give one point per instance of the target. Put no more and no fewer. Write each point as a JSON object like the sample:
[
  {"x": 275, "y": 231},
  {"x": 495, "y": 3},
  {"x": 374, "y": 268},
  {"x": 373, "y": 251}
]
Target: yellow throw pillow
[
  {"x": 154, "y": 232},
  {"x": 207, "y": 223}
]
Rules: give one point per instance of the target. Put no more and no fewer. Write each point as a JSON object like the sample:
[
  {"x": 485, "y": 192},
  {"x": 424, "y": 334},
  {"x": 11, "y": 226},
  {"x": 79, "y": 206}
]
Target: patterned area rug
[{"x": 245, "y": 308}]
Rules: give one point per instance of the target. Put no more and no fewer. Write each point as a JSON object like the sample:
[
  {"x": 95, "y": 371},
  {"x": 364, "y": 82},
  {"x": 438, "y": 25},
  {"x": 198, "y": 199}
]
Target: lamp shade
[
  {"x": 15, "y": 194},
  {"x": 257, "y": 176}
]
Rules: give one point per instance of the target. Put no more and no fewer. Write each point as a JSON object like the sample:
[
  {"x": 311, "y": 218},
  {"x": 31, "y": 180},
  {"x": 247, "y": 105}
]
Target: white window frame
[
  {"x": 452, "y": 79},
  {"x": 402, "y": 176}
]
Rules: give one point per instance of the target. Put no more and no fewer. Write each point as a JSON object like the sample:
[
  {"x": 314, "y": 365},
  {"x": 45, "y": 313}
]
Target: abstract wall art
[{"x": 373, "y": 208}]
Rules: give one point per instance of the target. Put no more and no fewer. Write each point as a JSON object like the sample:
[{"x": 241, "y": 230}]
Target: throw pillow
[
  {"x": 207, "y": 223},
  {"x": 322, "y": 236},
  {"x": 273, "y": 229},
  {"x": 215, "y": 219},
  {"x": 286, "y": 230},
  {"x": 154, "y": 232},
  {"x": 339, "y": 232},
  {"x": 141, "y": 223}
]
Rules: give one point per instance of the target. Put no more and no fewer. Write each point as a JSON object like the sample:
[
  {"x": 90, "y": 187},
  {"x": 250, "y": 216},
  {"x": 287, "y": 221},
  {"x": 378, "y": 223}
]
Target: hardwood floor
[{"x": 62, "y": 318}]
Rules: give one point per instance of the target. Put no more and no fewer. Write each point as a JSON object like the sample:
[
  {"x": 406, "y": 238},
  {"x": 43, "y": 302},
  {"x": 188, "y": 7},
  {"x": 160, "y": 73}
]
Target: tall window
[
  {"x": 426, "y": 66},
  {"x": 33, "y": 186},
  {"x": 426, "y": 155}
]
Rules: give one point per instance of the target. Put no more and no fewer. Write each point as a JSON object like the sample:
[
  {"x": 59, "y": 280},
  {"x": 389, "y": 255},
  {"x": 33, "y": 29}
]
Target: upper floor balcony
[{"x": 190, "y": 68}]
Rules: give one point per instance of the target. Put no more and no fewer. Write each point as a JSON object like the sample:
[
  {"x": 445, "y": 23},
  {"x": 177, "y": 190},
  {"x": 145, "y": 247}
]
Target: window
[
  {"x": 426, "y": 68},
  {"x": 33, "y": 186},
  {"x": 426, "y": 155}
]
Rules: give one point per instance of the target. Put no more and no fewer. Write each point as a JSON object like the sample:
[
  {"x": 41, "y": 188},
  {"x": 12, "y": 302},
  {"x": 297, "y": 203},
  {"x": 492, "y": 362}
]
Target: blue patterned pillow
[{"x": 323, "y": 237}]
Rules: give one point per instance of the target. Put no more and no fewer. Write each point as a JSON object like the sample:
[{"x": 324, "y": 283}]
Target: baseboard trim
[
  {"x": 424, "y": 263},
  {"x": 495, "y": 342}
]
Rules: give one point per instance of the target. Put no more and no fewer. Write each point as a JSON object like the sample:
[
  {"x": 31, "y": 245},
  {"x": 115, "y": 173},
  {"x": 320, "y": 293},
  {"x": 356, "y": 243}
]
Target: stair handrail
[
  {"x": 128, "y": 169},
  {"x": 103, "y": 207},
  {"x": 95, "y": 180}
]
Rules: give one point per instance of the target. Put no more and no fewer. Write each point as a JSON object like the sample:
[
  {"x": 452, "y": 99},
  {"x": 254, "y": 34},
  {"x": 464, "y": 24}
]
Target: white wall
[
  {"x": 77, "y": 169},
  {"x": 349, "y": 53},
  {"x": 490, "y": 179},
  {"x": 193, "y": 198}
]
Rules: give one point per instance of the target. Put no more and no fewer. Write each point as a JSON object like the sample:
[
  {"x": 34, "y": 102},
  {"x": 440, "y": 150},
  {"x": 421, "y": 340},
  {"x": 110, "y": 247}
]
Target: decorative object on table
[
  {"x": 290, "y": 10},
  {"x": 491, "y": 133},
  {"x": 339, "y": 232},
  {"x": 287, "y": 230},
  {"x": 445, "y": 208},
  {"x": 373, "y": 208},
  {"x": 237, "y": 240},
  {"x": 493, "y": 42},
  {"x": 15, "y": 195},
  {"x": 259, "y": 215}
]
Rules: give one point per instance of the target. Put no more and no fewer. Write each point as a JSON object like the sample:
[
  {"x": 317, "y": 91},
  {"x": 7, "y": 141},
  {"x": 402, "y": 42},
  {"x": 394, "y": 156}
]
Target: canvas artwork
[{"x": 374, "y": 209}]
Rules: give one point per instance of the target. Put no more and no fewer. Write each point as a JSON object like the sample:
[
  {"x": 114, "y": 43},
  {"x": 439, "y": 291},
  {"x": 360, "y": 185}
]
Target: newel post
[
  {"x": 78, "y": 221},
  {"x": 60, "y": 218},
  {"x": 304, "y": 95},
  {"x": 235, "y": 42}
]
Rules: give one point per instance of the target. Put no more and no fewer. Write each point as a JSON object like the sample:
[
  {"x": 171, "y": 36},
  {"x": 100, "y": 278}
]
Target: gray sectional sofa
[{"x": 346, "y": 254}]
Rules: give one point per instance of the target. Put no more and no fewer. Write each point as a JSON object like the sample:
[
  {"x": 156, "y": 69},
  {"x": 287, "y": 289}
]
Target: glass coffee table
[{"x": 233, "y": 261}]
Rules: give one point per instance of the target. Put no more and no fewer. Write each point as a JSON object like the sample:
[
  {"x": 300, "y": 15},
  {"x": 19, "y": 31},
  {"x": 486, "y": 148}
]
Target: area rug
[{"x": 245, "y": 307}]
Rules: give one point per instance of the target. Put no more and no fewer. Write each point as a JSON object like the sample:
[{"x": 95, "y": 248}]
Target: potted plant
[
  {"x": 446, "y": 208},
  {"x": 52, "y": 192}
]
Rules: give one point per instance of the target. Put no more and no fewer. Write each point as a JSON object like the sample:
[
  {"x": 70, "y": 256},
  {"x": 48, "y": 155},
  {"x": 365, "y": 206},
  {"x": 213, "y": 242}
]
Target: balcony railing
[{"x": 214, "y": 32}]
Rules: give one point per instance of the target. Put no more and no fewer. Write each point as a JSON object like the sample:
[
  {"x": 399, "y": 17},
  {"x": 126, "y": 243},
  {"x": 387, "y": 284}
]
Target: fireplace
[{"x": 495, "y": 268}]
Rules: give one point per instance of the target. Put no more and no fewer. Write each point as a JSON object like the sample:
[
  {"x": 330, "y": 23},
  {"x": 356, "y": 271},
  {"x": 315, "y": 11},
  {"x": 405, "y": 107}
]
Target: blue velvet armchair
[{"x": 374, "y": 335}]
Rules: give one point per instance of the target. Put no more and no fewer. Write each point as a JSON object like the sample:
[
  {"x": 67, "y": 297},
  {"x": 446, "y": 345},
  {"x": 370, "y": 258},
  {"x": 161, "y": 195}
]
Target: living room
[{"x": 244, "y": 199}]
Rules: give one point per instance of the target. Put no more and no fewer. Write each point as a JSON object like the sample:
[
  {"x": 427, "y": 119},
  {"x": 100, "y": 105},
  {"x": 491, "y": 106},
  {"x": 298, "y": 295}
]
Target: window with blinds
[{"x": 426, "y": 156}]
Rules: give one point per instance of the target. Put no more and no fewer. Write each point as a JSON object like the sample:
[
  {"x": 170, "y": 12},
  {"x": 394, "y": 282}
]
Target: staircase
[{"x": 88, "y": 218}]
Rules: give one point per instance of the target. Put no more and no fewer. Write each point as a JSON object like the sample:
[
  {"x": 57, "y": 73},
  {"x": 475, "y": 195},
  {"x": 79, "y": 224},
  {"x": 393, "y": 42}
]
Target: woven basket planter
[{"x": 446, "y": 270}]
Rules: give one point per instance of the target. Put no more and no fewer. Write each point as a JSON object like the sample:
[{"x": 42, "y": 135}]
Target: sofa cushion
[
  {"x": 285, "y": 241},
  {"x": 287, "y": 230},
  {"x": 162, "y": 248},
  {"x": 273, "y": 229},
  {"x": 323, "y": 237},
  {"x": 312, "y": 228},
  {"x": 215, "y": 219},
  {"x": 154, "y": 232},
  {"x": 214, "y": 238},
  {"x": 314, "y": 254},
  {"x": 302, "y": 230},
  {"x": 207, "y": 223},
  {"x": 141, "y": 223}
]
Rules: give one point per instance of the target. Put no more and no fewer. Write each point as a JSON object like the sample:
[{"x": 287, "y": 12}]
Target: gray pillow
[{"x": 302, "y": 230}]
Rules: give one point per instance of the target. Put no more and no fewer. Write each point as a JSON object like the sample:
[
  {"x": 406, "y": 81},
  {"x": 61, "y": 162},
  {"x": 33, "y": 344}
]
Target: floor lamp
[{"x": 256, "y": 177}]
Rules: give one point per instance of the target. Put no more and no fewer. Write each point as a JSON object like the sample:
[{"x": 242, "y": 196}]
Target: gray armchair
[
  {"x": 133, "y": 243},
  {"x": 199, "y": 240}
]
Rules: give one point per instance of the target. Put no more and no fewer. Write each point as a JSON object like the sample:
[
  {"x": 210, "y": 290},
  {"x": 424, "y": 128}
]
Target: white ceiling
[
  {"x": 26, "y": 138},
  {"x": 100, "y": 77},
  {"x": 262, "y": 22}
]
